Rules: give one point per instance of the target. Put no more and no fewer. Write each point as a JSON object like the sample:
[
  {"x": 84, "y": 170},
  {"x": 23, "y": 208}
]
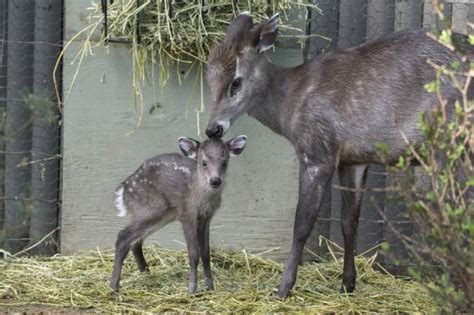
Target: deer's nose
[
  {"x": 215, "y": 182},
  {"x": 215, "y": 132}
]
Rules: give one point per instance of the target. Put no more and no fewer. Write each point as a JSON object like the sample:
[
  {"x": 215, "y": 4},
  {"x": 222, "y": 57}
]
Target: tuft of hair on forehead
[
  {"x": 214, "y": 147},
  {"x": 221, "y": 60}
]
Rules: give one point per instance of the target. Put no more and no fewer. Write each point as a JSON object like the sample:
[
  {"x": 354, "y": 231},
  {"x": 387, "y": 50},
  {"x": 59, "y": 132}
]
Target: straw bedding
[{"x": 243, "y": 282}]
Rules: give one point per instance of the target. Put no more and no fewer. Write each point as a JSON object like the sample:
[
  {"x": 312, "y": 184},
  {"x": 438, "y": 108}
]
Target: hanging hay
[
  {"x": 244, "y": 283},
  {"x": 171, "y": 33},
  {"x": 185, "y": 31}
]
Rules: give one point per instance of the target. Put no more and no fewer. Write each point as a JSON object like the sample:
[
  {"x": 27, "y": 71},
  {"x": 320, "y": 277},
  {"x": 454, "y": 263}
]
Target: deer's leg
[
  {"x": 203, "y": 234},
  {"x": 351, "y": 177},
  {"x": 313, "y": 181},
  {"x": 137, "y": 250},
  {"x": 125, "y": 238},
  {"x": 191, "y": 234}
]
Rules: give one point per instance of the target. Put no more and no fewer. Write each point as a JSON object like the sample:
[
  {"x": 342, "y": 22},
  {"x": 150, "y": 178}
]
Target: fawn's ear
[
  {"x": 236, "y": 145},
  {"x": 189, "y": 147},
  {"x": 267, "y": 34}
]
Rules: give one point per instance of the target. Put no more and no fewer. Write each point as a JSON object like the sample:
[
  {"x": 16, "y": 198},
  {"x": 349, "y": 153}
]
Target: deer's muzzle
[{"x": 215, "y": 132}]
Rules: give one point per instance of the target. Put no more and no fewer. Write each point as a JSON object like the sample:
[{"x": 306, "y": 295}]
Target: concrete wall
[{"x": 101, "y": 146}]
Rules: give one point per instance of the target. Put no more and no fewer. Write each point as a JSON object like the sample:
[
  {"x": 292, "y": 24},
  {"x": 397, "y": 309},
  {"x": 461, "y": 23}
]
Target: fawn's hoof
[
  {"x": 144, "y": 269},
  {"x": 114, "y": 291},
  {"x": 192, "y": 288}
]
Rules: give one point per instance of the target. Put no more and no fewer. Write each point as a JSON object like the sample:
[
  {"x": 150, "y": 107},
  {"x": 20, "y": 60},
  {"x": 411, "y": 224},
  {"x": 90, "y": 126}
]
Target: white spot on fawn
[
  {"x": 119, "y": 204},
  {"x": 183, "y": 169}
]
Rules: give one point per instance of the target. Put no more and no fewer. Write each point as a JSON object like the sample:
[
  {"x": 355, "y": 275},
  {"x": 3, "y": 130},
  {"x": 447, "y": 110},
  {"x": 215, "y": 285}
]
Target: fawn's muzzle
[{"x": 215, "y": 182}]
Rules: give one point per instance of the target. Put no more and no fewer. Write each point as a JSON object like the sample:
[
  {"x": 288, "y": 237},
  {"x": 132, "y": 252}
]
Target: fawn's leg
[
  {"x": 191, "y": 234},
  {"x": 203, "y": 235},
  {"x": 129, "y": 234},
  {"x": 137, "y": 250}
]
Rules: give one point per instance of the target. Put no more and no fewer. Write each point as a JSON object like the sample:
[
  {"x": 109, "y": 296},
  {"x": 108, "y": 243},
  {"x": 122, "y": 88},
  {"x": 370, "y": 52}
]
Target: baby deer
[{"x": 171, "y": 186}]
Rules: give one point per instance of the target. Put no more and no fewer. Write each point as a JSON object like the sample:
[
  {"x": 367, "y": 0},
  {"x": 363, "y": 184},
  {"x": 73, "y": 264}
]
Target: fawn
[{"x": 172, "y": 186}]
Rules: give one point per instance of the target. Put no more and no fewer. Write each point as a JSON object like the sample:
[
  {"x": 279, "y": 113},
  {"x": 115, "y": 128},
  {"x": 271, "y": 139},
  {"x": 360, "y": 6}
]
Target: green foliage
[{"x": 443, "y": 214}]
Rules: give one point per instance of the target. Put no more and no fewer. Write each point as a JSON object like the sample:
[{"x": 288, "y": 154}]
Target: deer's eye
[
  {"x": 224, "y": 164},
  {"x": 235, "y": 86},
  {"x": 204, "y": 163}
]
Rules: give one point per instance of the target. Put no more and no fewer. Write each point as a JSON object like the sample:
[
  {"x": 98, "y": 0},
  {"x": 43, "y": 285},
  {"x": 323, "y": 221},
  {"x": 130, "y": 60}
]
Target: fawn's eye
[
  {"x": 204, "y": 163},
  {"x": 224, "y": 164},
  {"x": 235, "y": 86}
]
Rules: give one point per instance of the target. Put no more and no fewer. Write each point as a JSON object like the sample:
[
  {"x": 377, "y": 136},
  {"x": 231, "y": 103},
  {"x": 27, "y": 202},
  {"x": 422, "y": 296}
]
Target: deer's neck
[
  {"x": 202, "y": 197},
  {"x": 271, "y": 106}
]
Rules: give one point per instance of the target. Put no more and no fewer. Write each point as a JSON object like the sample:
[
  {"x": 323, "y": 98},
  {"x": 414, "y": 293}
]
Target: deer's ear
[
  {"x": 239, "y": 28},
  {"x": 236, "y": 145},
  {"x": 189, "y": 147},
  {"x": 268, "y": 34}
]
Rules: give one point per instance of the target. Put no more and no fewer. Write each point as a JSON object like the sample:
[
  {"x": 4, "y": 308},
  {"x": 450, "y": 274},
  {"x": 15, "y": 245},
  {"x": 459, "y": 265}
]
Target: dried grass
[
  {"x": 175, "y": 32},
  {"x": 244, "y": 283}
]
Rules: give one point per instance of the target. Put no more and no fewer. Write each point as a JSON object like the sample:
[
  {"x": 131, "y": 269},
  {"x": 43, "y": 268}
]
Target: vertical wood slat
[
  {"x": 3, "y": 95},
  {"x": 471, "y": 14},
  {"x": 326, "y": 25},
  {"x": 408, "y": 14},
  {"x": 460, "y": 16},
  {"x": 20, "y": 83},
  {"x": 352, "y": 23},
  {"x": 380, "y": 18},
  {"x": 45, "y": 128},
  {"x": 429, "y": 17}
]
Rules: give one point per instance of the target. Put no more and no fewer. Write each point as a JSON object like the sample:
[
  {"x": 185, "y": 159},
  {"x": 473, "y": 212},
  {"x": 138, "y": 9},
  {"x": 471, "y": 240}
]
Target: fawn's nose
[
  {"x": 215, "y": 132},
  {"x": 215, "y": 182}
]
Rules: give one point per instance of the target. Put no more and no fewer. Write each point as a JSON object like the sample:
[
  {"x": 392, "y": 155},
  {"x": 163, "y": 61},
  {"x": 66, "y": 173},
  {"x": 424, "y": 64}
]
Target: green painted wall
[{"x": 101, "y": 146}]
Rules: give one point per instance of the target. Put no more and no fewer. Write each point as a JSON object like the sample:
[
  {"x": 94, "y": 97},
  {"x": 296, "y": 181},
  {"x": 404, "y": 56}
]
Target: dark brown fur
[{"x": 334, "y": 110}]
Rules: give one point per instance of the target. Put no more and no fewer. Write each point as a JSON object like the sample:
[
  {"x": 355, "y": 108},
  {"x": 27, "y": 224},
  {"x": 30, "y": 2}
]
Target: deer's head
[
  {"x": 235, "y": 73},
  {"x": 212, "y": 157}
]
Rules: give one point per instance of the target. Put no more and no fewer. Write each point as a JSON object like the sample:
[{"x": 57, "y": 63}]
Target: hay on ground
[{"x": 243, "y": 282}]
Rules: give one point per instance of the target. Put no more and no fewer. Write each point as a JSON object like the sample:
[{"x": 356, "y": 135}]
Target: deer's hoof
[
  {"x": 209, "y": 284},
  {"x": 283, "y": 293},
  {"x": 347, "y": 288},
  {"x": 114, "y": 287}
]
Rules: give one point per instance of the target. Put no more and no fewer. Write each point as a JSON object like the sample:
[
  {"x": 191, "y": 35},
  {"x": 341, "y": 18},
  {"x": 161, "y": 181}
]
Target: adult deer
[{"x": 333, "y": 109}]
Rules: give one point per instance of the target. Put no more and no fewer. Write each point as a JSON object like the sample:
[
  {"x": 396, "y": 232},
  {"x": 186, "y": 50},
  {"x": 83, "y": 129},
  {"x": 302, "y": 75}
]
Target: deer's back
[
  {"x": 159, "y": 184},
  {"x": 366, "y": 95}
]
